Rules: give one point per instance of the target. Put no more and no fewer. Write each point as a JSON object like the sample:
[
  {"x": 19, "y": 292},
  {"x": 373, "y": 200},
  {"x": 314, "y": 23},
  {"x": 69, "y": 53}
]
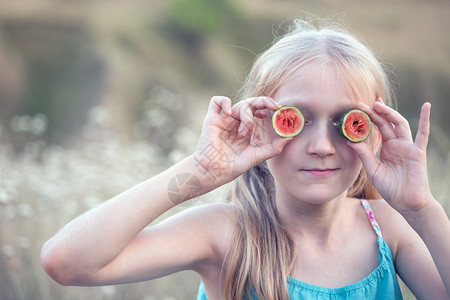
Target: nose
[{"x": 321, "y": 140}]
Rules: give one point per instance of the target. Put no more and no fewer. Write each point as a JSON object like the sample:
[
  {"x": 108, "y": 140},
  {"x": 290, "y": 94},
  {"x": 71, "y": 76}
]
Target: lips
[{"x": 320, "y": 172}]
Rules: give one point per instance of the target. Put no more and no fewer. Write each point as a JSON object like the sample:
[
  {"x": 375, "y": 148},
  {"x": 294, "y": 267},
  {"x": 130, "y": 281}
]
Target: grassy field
[{"x": 96, "y": 97}]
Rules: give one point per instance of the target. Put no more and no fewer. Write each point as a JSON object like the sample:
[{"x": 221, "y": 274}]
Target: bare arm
[
  {"x": 433, "y": 226},
  {"x": 111, "y": 244},
  {"x": 412, "y": 258},
  {"x": 79, "y": 252}
]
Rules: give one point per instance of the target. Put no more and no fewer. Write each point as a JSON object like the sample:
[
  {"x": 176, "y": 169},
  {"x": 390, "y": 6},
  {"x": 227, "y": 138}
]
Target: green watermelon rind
[
  {"x": 342, "y": 122},
  {"x": 274, "y": 123}
]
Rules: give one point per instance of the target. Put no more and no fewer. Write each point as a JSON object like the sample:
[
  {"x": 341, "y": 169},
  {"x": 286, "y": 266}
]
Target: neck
[{"x": 317, "y": 222}]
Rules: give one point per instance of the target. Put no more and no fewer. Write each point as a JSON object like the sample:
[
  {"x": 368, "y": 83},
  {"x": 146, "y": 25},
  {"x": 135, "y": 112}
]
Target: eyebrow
[{"x": 305, "y": 106}]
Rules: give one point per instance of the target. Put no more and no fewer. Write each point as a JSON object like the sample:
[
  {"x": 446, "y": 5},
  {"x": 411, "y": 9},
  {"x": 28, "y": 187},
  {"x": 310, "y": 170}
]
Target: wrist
[
  {"x": 202, "y": 177},
  {"x": 182, "y": 181},
  {"x": 421, "y": 217},
  {"x": 414, "y": 205},
  {"x": 212, "y": 166}
]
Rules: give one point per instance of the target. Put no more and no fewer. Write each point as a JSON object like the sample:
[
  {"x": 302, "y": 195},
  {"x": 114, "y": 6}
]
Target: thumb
[
  {"x": 272, "y": 149},
  {"x": 366, "y": 155}
]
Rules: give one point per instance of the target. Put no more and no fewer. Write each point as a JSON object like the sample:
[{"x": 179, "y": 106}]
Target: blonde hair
[{"x": 262, "y": 254}]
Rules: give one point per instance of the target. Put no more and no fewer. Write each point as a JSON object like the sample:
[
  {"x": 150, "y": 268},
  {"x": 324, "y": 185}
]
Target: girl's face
[{"x": 317, "y": 165}]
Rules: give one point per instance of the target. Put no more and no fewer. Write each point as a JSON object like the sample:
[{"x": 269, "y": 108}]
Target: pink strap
[{"x": 371, "y": 216}]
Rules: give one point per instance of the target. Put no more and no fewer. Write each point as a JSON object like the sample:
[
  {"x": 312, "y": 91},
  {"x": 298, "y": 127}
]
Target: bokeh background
[{"x": 96, "y": 96}]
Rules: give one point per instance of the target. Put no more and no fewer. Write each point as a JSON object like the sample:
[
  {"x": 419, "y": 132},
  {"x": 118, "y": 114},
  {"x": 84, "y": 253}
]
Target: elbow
[{"x": 55, "y": 263}]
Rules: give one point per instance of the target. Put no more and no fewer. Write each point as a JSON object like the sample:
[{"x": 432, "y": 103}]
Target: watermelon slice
[
  {"x": 288, "y": 121},
  {"x": 355, "y": 125}
]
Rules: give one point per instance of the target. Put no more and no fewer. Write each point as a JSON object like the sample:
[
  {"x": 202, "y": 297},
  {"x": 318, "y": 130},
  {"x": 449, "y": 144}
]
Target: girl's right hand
[{"x": 227, "y": 146}]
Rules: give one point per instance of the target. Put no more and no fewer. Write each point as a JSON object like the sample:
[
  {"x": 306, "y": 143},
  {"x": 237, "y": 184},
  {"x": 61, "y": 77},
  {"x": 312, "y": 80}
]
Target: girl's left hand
[{"x": 400, "y": 176}]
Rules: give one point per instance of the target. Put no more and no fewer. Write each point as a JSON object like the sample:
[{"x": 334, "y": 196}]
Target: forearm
[
  {"x": 433, "y": 226},
  {"x": 94, "y": 239}
]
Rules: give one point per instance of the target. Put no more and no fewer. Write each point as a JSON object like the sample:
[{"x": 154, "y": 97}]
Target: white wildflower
[
  {"x": 21, "y": 123},
  {"x": 109, "y": 290},
  {"x": 71, "y": 209},
  {"x": 38, "y": 124},
  {"x": 99, "y": 115},
  {"x": 9, "y": 251},
  {"x": 25, "y": 210},
  {"x": 23, "y": 242}
]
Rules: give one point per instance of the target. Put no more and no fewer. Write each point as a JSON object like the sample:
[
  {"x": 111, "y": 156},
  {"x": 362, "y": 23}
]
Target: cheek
[
  {"x": 284, "y": 162},
  {"x": 353, "y": 162},
  {"x": 279, "y": 169},
  {"x": 287, "y": 163},
  {"x": 348, "y": 154}
]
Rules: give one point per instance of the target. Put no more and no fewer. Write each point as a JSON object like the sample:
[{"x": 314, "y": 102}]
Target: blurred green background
[{"x": 96, "y": 96}]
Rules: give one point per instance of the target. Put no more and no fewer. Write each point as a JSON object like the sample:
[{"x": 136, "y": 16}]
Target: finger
[
  {"x": 270, "y": 150},
  {"x": 386, "y": 129},
  {"x": 260, "y": 113},
  {"x": 400, "y": 124},
  {"x": 423, "y": 131},
  {"x": 260, "y": 103},
  {"x": 246, "y": 110},
  {"x": 220, "y": 104},
  {"x": 367, "y": 157},
  {"x": 246, "y": 117},
  {"x": 256, "y": 104}
]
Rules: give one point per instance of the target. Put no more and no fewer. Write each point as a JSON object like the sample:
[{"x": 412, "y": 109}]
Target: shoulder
[
  {"x": 411, "y": 256},
  {"x": 398, "y": 234},
  {"x": 393, "y": 226}
]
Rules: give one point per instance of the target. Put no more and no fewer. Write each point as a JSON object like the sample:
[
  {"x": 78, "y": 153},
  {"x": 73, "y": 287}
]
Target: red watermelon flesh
[
  {"x": 288, "y": 121},
  {"x": 355, "y": 125}
]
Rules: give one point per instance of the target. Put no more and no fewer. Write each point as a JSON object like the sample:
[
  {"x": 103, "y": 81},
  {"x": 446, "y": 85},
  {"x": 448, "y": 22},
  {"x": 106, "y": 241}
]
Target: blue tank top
[{"x": 380, "y": 284}]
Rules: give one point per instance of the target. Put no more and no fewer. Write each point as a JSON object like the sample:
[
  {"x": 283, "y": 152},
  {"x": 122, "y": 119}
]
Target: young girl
[{"x": 297, "y": 225}]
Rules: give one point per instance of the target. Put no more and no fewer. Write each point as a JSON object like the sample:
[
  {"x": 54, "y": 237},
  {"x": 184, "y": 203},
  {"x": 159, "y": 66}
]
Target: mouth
[{"x": 320, "y": 172}]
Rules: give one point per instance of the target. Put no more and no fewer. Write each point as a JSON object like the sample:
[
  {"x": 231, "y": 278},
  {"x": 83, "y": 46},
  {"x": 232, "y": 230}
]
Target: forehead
[{"x": 316, "y": 87}]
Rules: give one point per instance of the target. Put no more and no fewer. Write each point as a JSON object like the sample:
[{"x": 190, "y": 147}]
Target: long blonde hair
[{"x": 262, "y": 254}]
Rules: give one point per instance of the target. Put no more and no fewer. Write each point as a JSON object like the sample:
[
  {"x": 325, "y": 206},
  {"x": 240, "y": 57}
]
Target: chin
[{"x": 319, "y": 196}]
